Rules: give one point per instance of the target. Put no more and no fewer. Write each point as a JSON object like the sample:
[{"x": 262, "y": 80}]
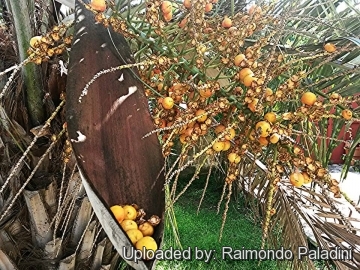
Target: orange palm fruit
[
  {"x": 226, "y": 23},
  {"x": 329, "y": 47},
  {"x": 187, "y": 4},
  {"x": 263, "y": 128},
  {"x": 308, "y": 98},
  {"x": 98, "y": 5},
  {"x": 346, "y": 114},
  {"x": 167, "y": 103},
  {"x": 166, "y": 7},
  {"x": 297, "y": 179},
  {"x": 245, "y": 72}
]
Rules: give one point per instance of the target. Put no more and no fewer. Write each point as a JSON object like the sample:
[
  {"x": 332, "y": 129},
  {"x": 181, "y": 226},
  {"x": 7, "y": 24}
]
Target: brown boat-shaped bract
[{"x": 106, "y": 125}]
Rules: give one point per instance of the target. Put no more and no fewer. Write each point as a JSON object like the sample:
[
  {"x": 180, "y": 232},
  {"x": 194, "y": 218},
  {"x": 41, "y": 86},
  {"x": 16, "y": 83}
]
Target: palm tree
[{"x": 46, "y": 218}]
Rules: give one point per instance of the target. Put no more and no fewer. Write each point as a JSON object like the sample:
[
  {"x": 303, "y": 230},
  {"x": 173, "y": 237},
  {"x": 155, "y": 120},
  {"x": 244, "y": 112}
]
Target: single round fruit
[
  {"x": 226, "y": 23},
  {"x": 297, "y": 179},
  {"x": 307, "y": 179},
  {"x": 335, "y": 96},
  {"x": 263, "y": 128},
  {"x": 205, "y": 93},
  {"x": 189, "y": 131},
  {"x": 168, "y": 16},
  {"x": 147, "y": 243},
  {"x": 34, "y": 41},
  {"x": 203, "y": 117},
  {"x": 118, "y": 212},
  {"x": 218, "y": 146},
  {"x": 98, "y": 5},
  {"x": 219, "y": 129},
  {"x": 230, "y": 134},
  {"x": 183, "y": 23},
  {"x": 263, "y": 141},
  {"x": 329, "y": 47},
  {"x": 227, "y": 145},
  {"x": 182, "y": 138},
  {"x": 297, "y": 150},
  {"x": 128, "y": 224},
  {"x": 146, "y": 228},
  {"x": 308, "y": 98},
  {"x": 187, "y": 3},
  {"x": 234, "y": 158},
  {"x": 252, "y": 105},
  {"x": 270, "y": 117},
  {"x": 248, "y": 80},
  {"x": 274, "y": 138},
  {"x": 238, "y": 59},
  {"x": 245, "y": 72},
  {"x": 268, "y": 92},
  {"x": 130, "y": 212},
  {"x": 208, "y": 7},
  {"x": 134, "y": 235},
  {"x": 167, "y": 103},
  {"x": 346, "y": 114},
  {"x": 166, "y": 7}
]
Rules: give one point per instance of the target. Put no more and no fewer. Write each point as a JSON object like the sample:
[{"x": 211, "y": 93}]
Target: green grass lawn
[{"x": 202, "y": 231}]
